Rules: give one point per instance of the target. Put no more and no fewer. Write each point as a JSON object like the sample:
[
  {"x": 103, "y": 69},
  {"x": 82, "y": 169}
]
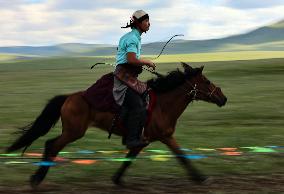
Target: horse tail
[{"x": 41, "y": 126}]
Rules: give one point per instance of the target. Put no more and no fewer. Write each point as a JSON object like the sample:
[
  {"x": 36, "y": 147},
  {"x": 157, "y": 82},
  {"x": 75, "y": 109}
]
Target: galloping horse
[{"x": 174, "y": 92}]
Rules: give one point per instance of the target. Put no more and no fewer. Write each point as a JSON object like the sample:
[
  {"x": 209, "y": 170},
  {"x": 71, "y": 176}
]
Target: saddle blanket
[{"x": 100, "y": 96}]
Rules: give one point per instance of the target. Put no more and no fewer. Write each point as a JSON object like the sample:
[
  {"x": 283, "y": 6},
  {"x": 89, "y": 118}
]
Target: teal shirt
[{"x": 130, "y": 42}]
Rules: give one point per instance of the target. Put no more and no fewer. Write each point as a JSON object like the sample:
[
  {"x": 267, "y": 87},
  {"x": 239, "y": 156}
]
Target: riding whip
[
  {"x": 151, "y": 71},
  {"x": 166, "y": 45},
  {"x": 111, "y": 64}
]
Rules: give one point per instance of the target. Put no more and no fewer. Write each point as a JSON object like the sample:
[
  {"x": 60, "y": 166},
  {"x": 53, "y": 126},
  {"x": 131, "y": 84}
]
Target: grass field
[
  {"x": 6, "y": 57},
  {"x": 253, "y": 116},
  {"x": 220, "y": 56}
]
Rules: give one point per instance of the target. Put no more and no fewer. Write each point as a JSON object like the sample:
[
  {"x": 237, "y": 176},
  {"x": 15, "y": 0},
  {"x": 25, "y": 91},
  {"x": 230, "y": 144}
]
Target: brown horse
[{"x": 174, "y": 92}]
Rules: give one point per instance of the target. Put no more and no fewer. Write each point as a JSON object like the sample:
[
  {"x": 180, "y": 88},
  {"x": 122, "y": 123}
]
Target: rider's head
[{"x": 140, "y": 21}]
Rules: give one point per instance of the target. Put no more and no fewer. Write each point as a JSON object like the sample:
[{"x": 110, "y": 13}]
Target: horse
[{"x": 176, "y": 90}]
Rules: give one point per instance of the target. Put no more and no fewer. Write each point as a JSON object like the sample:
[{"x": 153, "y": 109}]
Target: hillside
[{"x": 266, "y": 38}]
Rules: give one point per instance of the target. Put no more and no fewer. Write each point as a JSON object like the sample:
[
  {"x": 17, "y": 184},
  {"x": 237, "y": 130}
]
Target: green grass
[
  {"x": 253, "y": 116},
  {"x": 219, "y": 56},
  {"x": 6, "y": 57}
]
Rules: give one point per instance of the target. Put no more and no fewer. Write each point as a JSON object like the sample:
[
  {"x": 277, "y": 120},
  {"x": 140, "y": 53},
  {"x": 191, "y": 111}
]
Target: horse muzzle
[{"x": 221, "y": 101}]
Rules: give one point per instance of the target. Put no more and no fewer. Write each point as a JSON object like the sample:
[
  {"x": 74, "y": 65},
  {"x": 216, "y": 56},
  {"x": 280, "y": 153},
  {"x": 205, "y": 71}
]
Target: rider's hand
[{"x": 150, "y": 64}]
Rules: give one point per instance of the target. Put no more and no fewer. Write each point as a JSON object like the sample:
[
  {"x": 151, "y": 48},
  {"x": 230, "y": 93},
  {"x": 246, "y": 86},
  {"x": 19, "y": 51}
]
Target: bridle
[
  {"x": 192, "y": 93},
  {"x": 212, "y": 92}
]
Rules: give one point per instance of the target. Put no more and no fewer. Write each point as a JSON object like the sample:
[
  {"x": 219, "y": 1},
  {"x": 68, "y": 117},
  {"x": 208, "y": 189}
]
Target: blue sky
[{"x": 48, "y": 22}]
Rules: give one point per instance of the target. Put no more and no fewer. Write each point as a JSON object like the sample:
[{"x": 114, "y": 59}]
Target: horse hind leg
[
  {"x": 52, "y": 148},
  {"x": 75, "y": 120},
  {"x": 40, "y": 174}
]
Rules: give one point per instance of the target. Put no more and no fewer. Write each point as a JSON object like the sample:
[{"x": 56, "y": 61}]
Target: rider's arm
[{"x": 131, "y": 59}]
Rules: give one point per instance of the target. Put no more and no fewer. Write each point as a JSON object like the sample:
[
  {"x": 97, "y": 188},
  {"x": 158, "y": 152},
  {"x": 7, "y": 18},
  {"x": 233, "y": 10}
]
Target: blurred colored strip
[{"x": 84, "y": 162}]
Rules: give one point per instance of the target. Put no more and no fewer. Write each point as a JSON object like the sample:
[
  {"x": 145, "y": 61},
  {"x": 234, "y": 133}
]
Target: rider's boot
[{"x": 134, "y": 124}]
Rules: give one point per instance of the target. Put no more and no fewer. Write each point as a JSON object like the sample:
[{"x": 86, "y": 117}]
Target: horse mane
[{"x": 167, "y": 82}]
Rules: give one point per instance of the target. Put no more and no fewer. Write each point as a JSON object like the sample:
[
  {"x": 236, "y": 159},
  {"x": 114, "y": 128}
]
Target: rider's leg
[{"x": 136, "y": 118}]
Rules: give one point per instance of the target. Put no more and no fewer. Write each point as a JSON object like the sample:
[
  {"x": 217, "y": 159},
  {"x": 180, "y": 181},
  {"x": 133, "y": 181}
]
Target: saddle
[{"x": 100, "y": 97}]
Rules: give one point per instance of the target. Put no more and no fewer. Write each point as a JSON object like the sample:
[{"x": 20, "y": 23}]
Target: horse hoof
[
  {"x": 200, "y": 179},
  {"x": 116, "y": 180},
  {"x": 35, "y": 180}
]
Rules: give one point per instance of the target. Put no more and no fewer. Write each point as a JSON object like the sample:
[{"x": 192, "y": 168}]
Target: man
[{"x": 127, "y": 89}]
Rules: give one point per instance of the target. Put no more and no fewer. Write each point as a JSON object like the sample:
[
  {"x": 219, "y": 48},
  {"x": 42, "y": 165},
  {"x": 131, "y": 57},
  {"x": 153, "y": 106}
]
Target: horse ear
[
  {"x": 198, "y": 70},
  {"x": 186, "y": 67}
]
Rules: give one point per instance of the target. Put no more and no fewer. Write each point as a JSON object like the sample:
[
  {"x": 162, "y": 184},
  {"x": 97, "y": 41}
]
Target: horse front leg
[
  {"x": 194, "y": 174},
  {"x": 130, "y": 155}
]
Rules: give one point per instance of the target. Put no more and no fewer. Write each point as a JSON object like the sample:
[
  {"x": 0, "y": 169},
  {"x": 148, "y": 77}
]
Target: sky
[{"x": 49, "y": 22}]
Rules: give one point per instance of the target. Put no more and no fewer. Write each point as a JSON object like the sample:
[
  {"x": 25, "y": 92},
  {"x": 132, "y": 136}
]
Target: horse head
[{"x": 200, "y": 88}]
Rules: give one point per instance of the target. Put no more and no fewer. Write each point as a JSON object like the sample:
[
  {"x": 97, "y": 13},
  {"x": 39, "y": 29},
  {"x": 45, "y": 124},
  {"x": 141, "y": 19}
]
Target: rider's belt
[{"x": 128, "y": 74}]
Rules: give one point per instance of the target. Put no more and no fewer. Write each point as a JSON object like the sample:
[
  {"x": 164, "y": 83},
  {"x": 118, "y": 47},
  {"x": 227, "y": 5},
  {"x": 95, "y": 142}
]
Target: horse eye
[{"x": 207, "y": 82}]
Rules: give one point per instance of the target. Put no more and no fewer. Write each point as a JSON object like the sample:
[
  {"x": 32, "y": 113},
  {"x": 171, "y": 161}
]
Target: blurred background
[{"x": 48, "y": 47}]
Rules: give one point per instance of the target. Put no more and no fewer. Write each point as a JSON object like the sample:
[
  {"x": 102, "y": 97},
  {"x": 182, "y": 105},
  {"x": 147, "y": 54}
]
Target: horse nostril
[{"x": 225, "y": 100}]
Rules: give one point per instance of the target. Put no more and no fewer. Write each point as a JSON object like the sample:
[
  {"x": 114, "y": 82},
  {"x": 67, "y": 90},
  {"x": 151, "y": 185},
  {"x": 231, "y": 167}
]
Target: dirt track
[{"x": 238, "y": 184}]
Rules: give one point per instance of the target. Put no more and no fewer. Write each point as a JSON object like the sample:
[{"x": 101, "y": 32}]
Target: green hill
[{"x": 267, "y": 38}]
